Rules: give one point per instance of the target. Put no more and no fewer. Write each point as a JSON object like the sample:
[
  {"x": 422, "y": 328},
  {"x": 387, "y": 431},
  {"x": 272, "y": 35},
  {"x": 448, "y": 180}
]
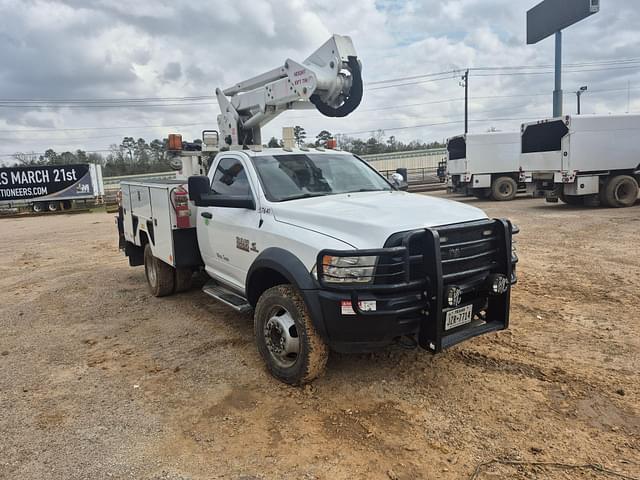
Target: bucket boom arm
[{"x": 330, "y": 79}]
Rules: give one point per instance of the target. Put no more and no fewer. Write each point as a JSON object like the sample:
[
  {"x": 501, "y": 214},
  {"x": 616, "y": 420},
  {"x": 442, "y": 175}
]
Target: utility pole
[
  {"x": 628, "y": 95},
  {"x": 465, "y": 83},
  {"x": 579, "y": 94}
]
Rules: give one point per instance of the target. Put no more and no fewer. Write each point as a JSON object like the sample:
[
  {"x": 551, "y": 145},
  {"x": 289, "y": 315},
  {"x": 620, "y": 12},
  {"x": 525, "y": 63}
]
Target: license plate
[{"x": 457, "y": 317}]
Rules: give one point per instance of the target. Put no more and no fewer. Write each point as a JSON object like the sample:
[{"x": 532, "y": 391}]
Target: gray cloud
[
  {"x": 122, "y": 49},
  {"x": 172, "y": 72}
]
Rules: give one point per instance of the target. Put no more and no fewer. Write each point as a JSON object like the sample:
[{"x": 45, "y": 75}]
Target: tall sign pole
[
  {"x": 550, "y": 17},
  {"x": 557, "y": 93}
]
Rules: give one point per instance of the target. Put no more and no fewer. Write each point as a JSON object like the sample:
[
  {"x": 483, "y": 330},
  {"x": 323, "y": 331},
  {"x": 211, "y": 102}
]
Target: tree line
[
  {"x": 133, "y": 156},
  {"x": 129, "y": 157},
  {"x": 376, "y": 143}
]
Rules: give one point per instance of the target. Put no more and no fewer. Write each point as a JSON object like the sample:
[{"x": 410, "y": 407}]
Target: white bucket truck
[
  {"x": 326, "y": 253},
  {"x": 485, "y": 165},
  {"x": 584, "y": 159}
]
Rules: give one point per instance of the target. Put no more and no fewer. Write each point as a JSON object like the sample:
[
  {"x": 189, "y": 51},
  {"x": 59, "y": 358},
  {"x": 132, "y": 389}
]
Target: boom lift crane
[{"x": 329, "y": 79}]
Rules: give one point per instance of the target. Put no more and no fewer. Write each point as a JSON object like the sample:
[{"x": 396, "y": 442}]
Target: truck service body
[
  {"x": 49, "y": 187},
  {"x": 326, "y": 253},
  {"x": 485, "y": 164},
  {"x": 578, "y": 158}
]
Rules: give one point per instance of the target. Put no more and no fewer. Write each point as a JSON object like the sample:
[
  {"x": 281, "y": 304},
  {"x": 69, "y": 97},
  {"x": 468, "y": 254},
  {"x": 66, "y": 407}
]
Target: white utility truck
[
  {"x": 584, "y": 159},
  {"x": 485, "y": 165},
  {"x": 324, "y": 251}
]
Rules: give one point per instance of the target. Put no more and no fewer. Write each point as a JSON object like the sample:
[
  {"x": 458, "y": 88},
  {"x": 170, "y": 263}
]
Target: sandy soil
[{"x": 100, "y": 380}]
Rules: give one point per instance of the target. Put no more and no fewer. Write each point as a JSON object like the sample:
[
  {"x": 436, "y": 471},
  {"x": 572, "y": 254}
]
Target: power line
[
  {"x": 123, "y": 127},
  {"x": 407, "y": 127},
  {"x": 365, "y": 110},
  {"x": 109, "y": 105}
]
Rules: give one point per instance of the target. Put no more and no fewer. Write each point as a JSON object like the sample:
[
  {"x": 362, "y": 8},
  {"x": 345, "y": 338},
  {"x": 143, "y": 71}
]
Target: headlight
[{"x": 348, "y": 269}]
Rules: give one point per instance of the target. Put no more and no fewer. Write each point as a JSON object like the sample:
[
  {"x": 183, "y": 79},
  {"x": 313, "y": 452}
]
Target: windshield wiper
[
  {"x": 368, "y": 190},
  {"x": 304, "y": 195}
]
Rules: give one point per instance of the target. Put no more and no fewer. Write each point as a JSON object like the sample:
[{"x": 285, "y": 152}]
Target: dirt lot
[{"x": 100, "y": 380}]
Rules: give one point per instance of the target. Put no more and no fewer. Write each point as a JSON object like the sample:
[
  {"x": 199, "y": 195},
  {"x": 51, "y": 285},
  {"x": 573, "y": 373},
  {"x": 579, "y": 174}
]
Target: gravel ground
[{"x": 100, "y": 380}]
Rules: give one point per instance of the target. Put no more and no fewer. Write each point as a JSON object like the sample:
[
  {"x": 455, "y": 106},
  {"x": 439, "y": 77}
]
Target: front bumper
[{"x": 415, "y": 307}]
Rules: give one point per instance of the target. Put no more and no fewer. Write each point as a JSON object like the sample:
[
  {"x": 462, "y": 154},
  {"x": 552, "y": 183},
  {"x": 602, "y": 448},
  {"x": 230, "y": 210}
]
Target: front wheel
[{"x": 287, "y": 340}]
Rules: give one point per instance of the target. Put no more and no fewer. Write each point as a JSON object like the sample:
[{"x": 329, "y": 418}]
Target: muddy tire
[
  {"x": 286, "y": 338},
  {"x": 620, "y": 191},
  {"x": 504, "y": 189},
  {"x": 53, "y": 206},
  {"x": 160, "y": 276},
  {"x": 184, "y": 279},
  {"x": 39, "y": 207}
]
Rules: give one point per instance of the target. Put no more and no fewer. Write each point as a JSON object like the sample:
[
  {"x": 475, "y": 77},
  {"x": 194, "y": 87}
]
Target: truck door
[{"x": 226, "y": 235}]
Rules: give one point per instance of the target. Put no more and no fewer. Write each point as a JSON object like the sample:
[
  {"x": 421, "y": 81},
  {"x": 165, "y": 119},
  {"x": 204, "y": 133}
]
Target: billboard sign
[
  {"x": 551, "y": 16},
  {"x": 46, "y": 182}
]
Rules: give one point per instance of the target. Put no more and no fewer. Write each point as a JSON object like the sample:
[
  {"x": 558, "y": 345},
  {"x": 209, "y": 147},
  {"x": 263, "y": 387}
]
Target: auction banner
[{"x": 45, "y": 182}]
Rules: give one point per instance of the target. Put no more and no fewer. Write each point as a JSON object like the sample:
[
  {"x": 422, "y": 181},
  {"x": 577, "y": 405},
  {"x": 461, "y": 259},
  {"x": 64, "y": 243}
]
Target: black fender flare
[{"x": 296, "y": 273}]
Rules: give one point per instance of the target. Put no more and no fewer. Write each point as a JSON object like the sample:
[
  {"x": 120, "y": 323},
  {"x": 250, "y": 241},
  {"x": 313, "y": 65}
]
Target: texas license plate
[{"x": 458, "y": 316}]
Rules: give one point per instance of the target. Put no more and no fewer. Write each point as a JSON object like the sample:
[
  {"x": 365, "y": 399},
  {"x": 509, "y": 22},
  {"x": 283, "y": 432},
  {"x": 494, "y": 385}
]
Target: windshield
[{"x": 288, "y": 177}]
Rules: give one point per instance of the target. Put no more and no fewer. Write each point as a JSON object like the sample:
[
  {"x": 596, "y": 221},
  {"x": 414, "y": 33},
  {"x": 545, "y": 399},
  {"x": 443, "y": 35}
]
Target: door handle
[{"x": 206, "y": 215}]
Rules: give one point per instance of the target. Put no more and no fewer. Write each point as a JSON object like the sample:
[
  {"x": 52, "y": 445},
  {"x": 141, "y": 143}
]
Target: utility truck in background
[
  {"x": 52, "y": 188},
  {"x": 584, "y": 159},
  {"x": 323, "y": 250},
  {"x": 485, "y": 165}
]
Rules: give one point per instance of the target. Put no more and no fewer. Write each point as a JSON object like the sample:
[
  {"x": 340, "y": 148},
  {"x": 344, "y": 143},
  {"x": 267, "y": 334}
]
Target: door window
[{"x": 230, "y": 178}]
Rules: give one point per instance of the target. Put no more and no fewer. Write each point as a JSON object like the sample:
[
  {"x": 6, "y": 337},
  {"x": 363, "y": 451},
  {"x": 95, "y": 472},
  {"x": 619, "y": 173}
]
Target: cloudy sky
[{"x": 67, "y": 63}]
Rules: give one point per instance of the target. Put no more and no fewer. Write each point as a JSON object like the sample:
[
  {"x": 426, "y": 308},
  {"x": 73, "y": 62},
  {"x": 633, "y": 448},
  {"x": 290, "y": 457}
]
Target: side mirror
[
  {"x": 229, "y": 201},
  {"x": 397, "y": 180},
  {"x": 201, "y": 194},
  {"x": 199, "y": 187}
]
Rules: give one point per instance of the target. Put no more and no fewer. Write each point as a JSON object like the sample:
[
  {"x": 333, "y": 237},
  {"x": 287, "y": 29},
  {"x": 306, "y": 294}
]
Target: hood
[{"x": 367, "y": 219}]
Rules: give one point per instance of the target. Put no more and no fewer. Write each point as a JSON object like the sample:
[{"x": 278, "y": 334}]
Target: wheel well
[
  {"x": 495, "y": 176},
  {"x": 262, "y": 280}
]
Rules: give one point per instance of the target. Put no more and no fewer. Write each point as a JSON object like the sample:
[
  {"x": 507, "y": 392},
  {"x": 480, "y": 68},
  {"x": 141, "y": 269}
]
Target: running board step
[{"x": 227, "y": 297}]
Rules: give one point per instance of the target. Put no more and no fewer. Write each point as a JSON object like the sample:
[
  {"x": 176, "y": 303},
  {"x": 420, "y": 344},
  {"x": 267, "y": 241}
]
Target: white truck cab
[{"x": 326, "y": 253}]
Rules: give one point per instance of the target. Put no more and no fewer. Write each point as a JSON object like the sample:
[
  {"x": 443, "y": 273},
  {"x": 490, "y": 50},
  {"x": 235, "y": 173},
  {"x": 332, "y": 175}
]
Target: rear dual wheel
[
  {"x": 504, "y": 189},
  {"x": 160, "y": 275},
  {"x": 619, "y": 191},
  {"x": 162, "y": 278},
  {"x": 572, "y": 199}
]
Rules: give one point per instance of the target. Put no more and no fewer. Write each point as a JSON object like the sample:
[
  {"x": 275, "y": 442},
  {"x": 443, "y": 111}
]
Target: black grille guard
[{"x": 430, "y": 288}]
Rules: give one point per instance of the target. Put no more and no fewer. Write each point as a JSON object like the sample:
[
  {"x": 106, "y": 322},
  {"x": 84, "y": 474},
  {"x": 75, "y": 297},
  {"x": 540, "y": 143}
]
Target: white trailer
[
  {"x": 50, "y": 187},
  {"x": 593, "y": 159},
  {"x": 485, "y": 165}
]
